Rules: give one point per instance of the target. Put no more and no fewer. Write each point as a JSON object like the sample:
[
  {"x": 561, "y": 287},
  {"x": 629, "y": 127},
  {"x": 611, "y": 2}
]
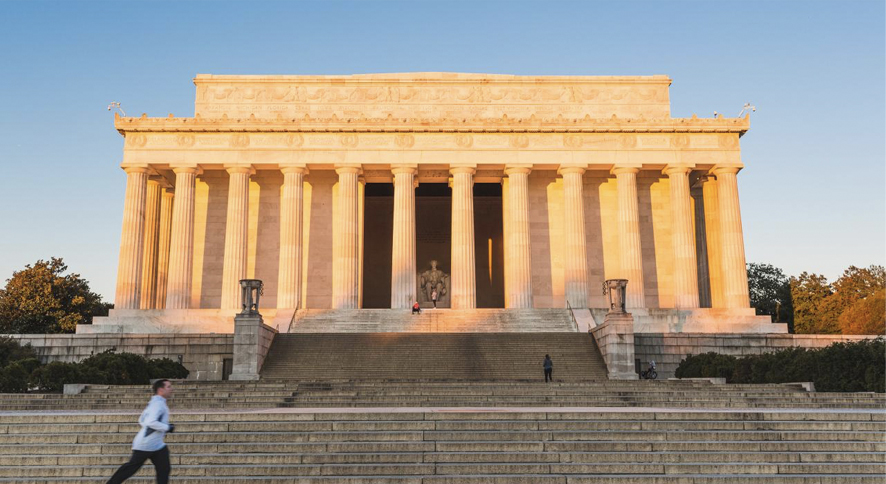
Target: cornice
[{"x": 503, "y": 124}]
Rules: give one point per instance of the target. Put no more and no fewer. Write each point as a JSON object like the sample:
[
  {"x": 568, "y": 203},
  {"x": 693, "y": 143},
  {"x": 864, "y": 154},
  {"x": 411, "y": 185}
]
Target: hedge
[
  {"x": 107, "y": 368},
  {"x": 841, "y": 367}
]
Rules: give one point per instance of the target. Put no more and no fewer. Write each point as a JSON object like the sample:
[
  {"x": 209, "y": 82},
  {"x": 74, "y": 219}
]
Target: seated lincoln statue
[{"x": 432, "y": 280}]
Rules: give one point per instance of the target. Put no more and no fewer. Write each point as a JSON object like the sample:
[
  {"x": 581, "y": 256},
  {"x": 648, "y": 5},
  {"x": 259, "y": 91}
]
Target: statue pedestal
[
  {"x": 615, "y": 338},
  {"x": 252, "y": 339}
]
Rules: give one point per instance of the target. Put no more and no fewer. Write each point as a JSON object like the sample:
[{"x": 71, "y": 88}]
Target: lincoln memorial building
[{"x": 373, "y": 192}]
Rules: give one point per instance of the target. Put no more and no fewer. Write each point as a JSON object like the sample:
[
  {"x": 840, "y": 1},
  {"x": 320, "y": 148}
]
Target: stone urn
[
  {"x": 250, "y": 292},
  {"x": 616, "y": 288}
]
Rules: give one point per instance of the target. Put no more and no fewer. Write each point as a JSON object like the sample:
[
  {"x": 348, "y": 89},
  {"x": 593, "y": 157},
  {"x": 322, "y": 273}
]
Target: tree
[
  {"x": 42, "y": 299},
  {"x": 770, "y": 292},
  {"x": 865, "y": 316},
  {"x": 809, "y": 293},
  {"x": 859, "y": 293}
]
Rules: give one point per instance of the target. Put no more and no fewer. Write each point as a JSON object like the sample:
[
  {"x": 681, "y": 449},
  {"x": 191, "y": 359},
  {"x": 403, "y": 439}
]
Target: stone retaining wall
[
  {"x": 669, "y": 349},
  {"x": 202, "y": 354}
]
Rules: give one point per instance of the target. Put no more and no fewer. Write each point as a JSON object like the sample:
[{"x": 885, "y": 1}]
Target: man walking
[
  {"x": 549, "y": 369},
  {"x": 148, "y": 442}
]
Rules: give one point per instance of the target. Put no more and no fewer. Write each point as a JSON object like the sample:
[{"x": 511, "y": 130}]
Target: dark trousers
[
  {"x": 549, "y": 374},
  {"x": 160, "y": 459}
]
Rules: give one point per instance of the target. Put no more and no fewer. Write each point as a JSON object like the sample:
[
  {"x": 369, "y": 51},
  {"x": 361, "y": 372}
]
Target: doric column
[
  {"x": 403, "y": 266},
  {"x": 166, "y": 201},
  {"x": 129, "y": 267},
  {"x": 181, "y": 240},
  {"x": 346, "y": 246},
  {"x": 685, "y": 265},
  {"x": 291, "y": 207},
  {"x": 519, "y": 260},
  {"x": 236, "y": 234},
  {"x": 734, "y": 270},
  {"x": 631, "y": 254},
  {"x": 464, "y": 280},
  {"x": 149, "y": 257},
  {"x": 576, "y": 261}
]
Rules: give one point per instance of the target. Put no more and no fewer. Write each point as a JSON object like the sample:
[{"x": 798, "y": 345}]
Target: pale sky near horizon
[{"x": 813, "y": 193}]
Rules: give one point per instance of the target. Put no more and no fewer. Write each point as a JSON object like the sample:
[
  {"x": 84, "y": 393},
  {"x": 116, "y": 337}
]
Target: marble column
[
  {"x": 166, "y": 202},
  {"x": 463, "y": 274},
  {"x": 236, "y": 235},
  {"x": 733, "y": 267},
  {"x": 685, "y": 263},
  {"x": 630, "y": 252},
  {"x": 519, "y": 260},
  {"x": 129, "y": 267},
  {"x": 346, "y": 246},
  {"x": 403, "y": 266},
  {"x": 149, "y": 257},
  {"x": 576, "y": 253},
  {"x": 181, "y": 240},
  {"x": 291, "y": 213}
]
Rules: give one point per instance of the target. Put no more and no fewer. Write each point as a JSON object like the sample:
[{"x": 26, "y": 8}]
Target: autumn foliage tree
[
  {"x": 853, "y": 304},
  {"x": 41, "y": 298}
]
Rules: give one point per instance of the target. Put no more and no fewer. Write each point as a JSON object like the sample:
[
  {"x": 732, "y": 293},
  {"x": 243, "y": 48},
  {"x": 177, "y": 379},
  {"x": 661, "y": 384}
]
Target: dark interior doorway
[
  {"x": 433, "y": 232},
  {"x": 378, "y": 228}
]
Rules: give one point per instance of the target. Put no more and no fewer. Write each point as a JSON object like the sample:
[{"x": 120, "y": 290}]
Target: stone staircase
[
  {"x": 432, "y": 321},
  {"x": 445, "y": 447},
  {"x": 432, "y": 356},
  {"x": 271, "y": 394}
]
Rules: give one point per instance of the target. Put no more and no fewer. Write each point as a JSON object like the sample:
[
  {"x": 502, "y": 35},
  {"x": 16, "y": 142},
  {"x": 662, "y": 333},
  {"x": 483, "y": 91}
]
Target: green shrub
[
  {"x": 166, "y": 368},
  {"x": 11, "y": 350},
  {"x": 707, "y": 365},
  {"x": 120, "y": 368},
  {"x": 13, "y": 378},
  {"x": 30, "y": 364},
  {"x": 840, "y": 367},
  {"x": 54, "y": 376}
]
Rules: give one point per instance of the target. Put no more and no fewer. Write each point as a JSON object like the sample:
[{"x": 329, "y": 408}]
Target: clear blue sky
[{"x": 812, "y": 192}]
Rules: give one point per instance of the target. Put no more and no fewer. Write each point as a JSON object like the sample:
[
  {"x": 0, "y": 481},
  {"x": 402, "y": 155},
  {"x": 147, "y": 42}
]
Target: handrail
[{"x": 572, "y": 315}]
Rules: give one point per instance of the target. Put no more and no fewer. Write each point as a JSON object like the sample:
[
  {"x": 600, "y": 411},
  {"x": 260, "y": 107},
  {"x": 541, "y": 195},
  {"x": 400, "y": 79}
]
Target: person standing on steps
[
  {"x": 148, "y": 442},
  {"x": 434, "y": 298},
  {"x": 549, "y": 369}
]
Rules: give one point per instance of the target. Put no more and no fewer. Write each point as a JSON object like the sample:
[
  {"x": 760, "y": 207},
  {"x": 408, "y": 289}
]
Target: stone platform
[{"x": 432, "y": 321}]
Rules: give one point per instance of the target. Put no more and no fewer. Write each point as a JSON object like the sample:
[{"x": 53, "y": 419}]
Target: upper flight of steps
[
  {"x": 432, "y": 356},
  {"x": 432, "y": 321},
  {"x": 631, "y": 447}
]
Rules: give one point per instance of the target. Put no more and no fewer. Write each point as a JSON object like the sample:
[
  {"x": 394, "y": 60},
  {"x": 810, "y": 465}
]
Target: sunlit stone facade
[{"x": 338, "y": 191}]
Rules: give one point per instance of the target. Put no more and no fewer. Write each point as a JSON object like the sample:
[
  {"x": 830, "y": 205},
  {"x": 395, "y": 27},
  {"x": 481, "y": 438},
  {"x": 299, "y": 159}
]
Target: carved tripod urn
[
  {"x": 250, "y": 292},
  {"x": 616, "y": 289}
]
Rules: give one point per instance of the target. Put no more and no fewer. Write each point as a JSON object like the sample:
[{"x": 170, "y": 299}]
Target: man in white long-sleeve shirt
[{"x": 148, "y": 442}]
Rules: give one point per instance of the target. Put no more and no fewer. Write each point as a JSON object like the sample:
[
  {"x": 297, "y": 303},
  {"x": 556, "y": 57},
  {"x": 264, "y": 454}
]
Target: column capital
[
  {"x": 618, "y": 170},
  {"x": 568, "y": 169},
  {"x": 518, "y": 169},
  {"x": 677, "y": 169},
  {"x": 349, "y": 169},
  {"x": 470, "y": 169},
  {"x": 297, "y": 169},
  {"x": 248, "y": 169},
  {"x": 408, "y": 169},
  {"x": 187, "y": 169},
  {"x": 724, "y": 169},
  {"x": 137, "y": 169}
]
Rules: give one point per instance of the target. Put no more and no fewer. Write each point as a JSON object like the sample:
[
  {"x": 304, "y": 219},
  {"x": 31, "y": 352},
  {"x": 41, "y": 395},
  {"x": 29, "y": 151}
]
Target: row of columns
[{"x": 156, "y": 250}]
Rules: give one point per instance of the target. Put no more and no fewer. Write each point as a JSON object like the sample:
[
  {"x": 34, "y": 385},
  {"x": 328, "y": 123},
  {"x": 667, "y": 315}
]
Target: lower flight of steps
[
  {"x": 629, "y": 447},
  {"x": 481, "y": 320},
  {"x": 380, "y": 393},
  {"x": 433, "y": 356}
]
